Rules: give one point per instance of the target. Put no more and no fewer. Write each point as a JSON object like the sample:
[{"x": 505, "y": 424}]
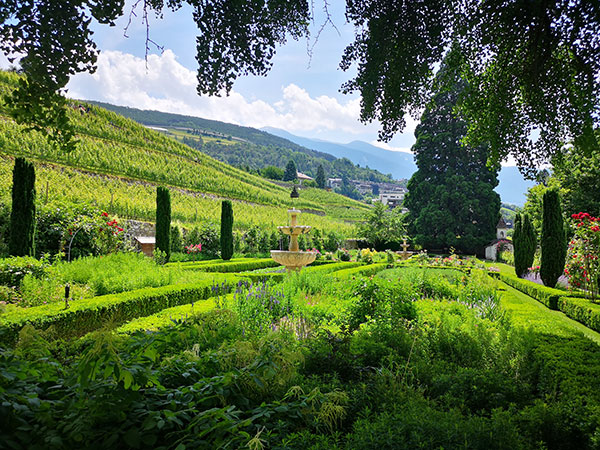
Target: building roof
[
  {"x": 501, "y": 223},
  {"x": 302, "y": 176},
  {"x": 146, "y": 239}
]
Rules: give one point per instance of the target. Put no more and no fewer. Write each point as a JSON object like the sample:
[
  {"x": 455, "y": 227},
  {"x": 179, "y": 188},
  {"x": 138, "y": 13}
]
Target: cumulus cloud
[{"x": 163, "y": 84}]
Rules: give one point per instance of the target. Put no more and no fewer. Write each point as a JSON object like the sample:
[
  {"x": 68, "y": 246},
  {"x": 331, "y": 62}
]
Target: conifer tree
[
  {"x": 22, "y": 216},
  {"x": 553, "y": 242},
  {"x": 530, "y": 239},
  {"x": 451, "y": 198},
  {"x": 226, "y": 230},
  {"x": 163, "y": 221},
  {"x": 291, "y": 173},
  {"x": 525, "y": 243},
  {"x": 320, "y": 179},
  {"x": 519, "y": 248}
]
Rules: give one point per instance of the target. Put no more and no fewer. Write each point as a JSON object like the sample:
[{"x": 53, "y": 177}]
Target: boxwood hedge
[
  {"x": 582, "y": 310},
  {"x": 89, "y": 314}
]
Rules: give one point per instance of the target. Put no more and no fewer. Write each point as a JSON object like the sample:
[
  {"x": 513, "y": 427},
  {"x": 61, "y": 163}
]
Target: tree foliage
[
  {"x": 553, "y": 241},
  {"x": 272, "y": 173},
  {"x": 382, "y": 227},
  {"x": 530, "y": 65},
  {"x": 320, "y": 178},
  {"x": 22, "y": 217},
  {"x": 525, "y": 243},
  {"x": 579, "y": 177},
  {"x": 163, "y": 220},
  {"x": 451, "y": 198},
  {"x": 291, "y": 173},
  {"x": 226, "y": 230}
]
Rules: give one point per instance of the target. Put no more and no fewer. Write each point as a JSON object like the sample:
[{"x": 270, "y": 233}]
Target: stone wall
[{"x": 135, "y": 228}]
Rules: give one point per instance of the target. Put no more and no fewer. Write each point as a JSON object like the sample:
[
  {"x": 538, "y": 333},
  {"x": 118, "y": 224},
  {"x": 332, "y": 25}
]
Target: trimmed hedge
[
  {"x": 232, "y": 266},
  {"x": 204, "y": 262},
  {"x": 365, "y": 271},
  {"x": 268, "y": 277},
  {"x": 582, "y": 310},
  {"x": 334, "y": 267},
  {"x": 166, "y": 317},
  {"x": 87, "y": 315},
  {"x": 543, "y": 294}
]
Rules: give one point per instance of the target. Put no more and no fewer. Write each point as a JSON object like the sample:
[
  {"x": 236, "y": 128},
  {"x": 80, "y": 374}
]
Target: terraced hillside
[{"x": 118, "y": 164}]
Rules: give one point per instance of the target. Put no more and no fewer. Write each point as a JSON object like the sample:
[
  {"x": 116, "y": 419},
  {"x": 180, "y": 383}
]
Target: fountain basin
[{"x": 293, "y": 261}]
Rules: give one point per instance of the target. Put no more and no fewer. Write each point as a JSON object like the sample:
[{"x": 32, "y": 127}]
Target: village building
[{"x": 502, "y": 242}]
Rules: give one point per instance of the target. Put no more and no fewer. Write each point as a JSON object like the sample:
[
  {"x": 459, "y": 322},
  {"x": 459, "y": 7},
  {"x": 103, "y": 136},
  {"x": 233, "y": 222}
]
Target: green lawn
[{"x": 528, "y": 312}]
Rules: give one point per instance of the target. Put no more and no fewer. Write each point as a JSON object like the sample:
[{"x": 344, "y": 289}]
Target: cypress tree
[
  {"x": 519, "y": 247},
  {"x": 291, "y": 173},
  {"x": 530, "y": 240},
  {"x": 163, "y": 221},
  {"x": 226, "y": 230},
  {"x": 553, "y": 242},
  {"x": 22, "y": 216},
  {"x": 320, "y": 179}
]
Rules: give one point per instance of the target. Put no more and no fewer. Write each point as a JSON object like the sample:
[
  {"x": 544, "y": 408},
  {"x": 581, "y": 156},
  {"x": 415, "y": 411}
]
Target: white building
[
  {"x": 500, "y": 243},
  {"x": 334, "y": 182},
  {"x": 392, "y": 199}
]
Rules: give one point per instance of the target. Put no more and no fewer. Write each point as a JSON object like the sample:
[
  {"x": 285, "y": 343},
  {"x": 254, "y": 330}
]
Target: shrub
[
  {"x": 344, "y": 255},
  {"x": 380, "y": 300},
  {"x": 176, "y": 241},
  {"x": 13, "y": 270},
  {"x": 583, "y": 262},
  {"x": 22, "y": 217},
  {"x": 418, "y": 423},
  {"x": 208, "y": 236},
  {"x": 553, "y": 243}
]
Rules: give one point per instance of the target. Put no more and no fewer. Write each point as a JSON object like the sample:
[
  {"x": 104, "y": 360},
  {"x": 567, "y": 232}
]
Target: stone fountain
[{"x": 293, "y": 259}]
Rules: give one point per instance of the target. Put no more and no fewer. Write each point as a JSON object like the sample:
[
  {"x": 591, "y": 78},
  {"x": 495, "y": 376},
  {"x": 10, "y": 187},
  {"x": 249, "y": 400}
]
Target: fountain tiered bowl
[{"x": 293, "y": 259}]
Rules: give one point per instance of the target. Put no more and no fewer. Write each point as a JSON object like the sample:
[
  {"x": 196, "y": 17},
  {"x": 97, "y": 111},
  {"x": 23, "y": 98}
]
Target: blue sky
[{"x": 300, "y": 95}]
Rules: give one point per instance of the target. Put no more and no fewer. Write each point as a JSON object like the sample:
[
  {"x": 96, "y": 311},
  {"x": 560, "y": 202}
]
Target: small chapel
[{"x": 502, "y": 242}]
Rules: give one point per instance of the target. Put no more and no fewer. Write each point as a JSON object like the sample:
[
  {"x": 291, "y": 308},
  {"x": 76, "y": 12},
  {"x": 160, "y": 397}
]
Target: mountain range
[
  {"x": 512, "y": 186},
  {"x": 257, "y": 148}
]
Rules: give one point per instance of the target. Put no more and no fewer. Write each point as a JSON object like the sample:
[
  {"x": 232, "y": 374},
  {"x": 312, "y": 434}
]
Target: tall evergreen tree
[
  {"x": 226, "y": 230},
  {"x": 291, "y": 173},
  {"x": 530, "y": 239},
  {"x": 519, "y": 248},
  {"x": 22, "y": 216},
  {"x": 451, "y": 196},
  {"x": 554, "y": 241},
  {"x": 320, "y": 179},
  {"x": 163, "y": 221},
  {"x": 525, "y": 243}
]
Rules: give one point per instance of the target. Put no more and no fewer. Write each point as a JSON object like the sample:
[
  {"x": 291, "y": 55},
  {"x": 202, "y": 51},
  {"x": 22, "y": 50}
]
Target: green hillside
[
  {"x": 244, "y": 146},
  {"x": 118, "y": 164}
]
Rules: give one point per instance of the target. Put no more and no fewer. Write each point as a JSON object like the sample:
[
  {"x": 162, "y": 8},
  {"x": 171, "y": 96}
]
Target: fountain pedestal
[{"x": 293, "y": 259}]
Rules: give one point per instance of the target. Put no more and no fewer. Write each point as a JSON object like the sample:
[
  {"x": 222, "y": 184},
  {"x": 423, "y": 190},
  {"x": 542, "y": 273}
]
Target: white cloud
[
  {"x": 164, "y": 84},
  {"x": 387, "y": 146}
]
